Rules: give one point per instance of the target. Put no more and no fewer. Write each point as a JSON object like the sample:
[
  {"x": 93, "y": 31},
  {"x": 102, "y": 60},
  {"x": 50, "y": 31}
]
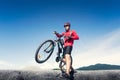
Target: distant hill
[{"x": 100, "y": 67}]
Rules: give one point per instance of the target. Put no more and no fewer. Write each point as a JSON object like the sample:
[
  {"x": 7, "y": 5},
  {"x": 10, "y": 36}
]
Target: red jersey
[{"x": 69, "y": 42}]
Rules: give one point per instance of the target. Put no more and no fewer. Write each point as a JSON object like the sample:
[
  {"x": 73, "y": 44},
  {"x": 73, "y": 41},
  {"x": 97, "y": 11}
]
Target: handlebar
[{"x": 55, "y": 32}]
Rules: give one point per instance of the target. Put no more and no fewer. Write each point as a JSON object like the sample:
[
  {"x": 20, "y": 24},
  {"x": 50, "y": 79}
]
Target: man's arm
[
  {"x": 74, "y": 35},
  {"x": 59, "y": 35}
]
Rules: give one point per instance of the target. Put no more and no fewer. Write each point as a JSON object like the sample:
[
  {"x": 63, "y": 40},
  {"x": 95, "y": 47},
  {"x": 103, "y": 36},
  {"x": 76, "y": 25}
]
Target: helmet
[{"x": 67, "y": 24}]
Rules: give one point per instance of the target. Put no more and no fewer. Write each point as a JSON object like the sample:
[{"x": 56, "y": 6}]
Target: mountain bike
[{"x": 45, "y": 50}]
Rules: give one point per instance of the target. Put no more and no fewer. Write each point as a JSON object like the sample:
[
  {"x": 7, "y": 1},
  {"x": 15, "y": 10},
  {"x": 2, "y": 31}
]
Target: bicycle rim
[{"x": 44, "y": 51}]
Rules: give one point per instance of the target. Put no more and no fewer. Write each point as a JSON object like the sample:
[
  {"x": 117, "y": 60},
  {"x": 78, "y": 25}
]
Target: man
[{"x": 69, "y": 37}]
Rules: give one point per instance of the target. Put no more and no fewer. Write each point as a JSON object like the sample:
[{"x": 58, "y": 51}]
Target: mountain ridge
[{"x": 100, "y": 66}]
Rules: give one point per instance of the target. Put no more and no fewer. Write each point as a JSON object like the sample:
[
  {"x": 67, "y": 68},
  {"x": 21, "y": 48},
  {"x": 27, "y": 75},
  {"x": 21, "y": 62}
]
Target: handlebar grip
[{"x": 55, "y": 32}]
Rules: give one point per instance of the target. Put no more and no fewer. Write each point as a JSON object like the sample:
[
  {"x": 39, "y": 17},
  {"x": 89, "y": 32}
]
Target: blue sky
[{"x": 24, "y": 24}]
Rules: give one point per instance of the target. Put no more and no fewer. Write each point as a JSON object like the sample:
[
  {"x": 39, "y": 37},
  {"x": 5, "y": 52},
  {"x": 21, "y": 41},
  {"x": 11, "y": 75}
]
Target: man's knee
[{"x": 67, "y": 55}]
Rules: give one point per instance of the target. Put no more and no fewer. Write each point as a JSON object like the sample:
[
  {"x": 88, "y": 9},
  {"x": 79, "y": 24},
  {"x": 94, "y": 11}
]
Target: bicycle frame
[{"x": 59, "y": 43}]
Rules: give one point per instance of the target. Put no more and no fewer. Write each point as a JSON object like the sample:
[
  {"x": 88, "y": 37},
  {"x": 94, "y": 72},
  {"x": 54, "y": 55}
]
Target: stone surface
[{"x": 55, "y": 75}]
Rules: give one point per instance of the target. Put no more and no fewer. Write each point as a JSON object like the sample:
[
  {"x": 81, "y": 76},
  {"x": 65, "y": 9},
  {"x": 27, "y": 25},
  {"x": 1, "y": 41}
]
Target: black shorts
[{"x": 67, "y": 50}]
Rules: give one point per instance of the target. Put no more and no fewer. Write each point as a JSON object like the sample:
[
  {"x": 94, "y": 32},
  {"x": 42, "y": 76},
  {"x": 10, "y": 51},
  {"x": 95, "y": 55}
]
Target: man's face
[{"x": 67, "y": 28}]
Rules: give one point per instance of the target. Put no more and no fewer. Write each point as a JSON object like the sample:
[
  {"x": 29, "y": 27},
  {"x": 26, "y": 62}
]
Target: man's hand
[
  {"x": 55, "y": 32},
  {"x": 68, "y": 37}
]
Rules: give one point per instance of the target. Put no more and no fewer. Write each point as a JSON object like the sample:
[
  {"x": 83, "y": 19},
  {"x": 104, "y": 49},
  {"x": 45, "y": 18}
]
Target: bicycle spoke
[{"x": 44, "y": 51}]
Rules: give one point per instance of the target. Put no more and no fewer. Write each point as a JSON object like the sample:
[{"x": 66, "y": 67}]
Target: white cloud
[
  {"x": 32, "y": 65},
  {"x": 105, "y": 49},
  {"x": 5, "y": 65}
]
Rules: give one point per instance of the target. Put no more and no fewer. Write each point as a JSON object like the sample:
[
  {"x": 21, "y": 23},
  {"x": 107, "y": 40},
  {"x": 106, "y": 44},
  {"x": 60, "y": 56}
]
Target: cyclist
[{"x": 69, "y": 37}]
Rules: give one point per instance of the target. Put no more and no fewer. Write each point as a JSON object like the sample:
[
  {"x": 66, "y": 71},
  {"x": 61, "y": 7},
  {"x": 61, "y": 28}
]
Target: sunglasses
[{"x": 66, "y": 25}]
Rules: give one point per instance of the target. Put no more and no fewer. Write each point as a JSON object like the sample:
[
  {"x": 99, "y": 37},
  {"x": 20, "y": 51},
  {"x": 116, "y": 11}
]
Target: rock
[{"x": 54, "y": 75}]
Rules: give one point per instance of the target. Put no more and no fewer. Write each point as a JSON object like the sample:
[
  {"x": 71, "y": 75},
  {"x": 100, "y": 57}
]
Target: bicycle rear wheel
[
  {"x": 62, "y": 66},
  {"x": 44, "y": 51}
]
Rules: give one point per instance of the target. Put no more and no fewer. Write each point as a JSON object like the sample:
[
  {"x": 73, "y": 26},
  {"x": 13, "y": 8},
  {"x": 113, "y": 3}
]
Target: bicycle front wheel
[{"x": 44, "y": 51}]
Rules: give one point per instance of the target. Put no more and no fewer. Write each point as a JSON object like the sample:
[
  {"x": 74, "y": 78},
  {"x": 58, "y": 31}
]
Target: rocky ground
[{"x": 54, "y": 75}]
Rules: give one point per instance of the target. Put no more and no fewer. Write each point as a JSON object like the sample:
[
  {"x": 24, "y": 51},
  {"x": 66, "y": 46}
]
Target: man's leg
[{"x": 68, "y": 63}]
